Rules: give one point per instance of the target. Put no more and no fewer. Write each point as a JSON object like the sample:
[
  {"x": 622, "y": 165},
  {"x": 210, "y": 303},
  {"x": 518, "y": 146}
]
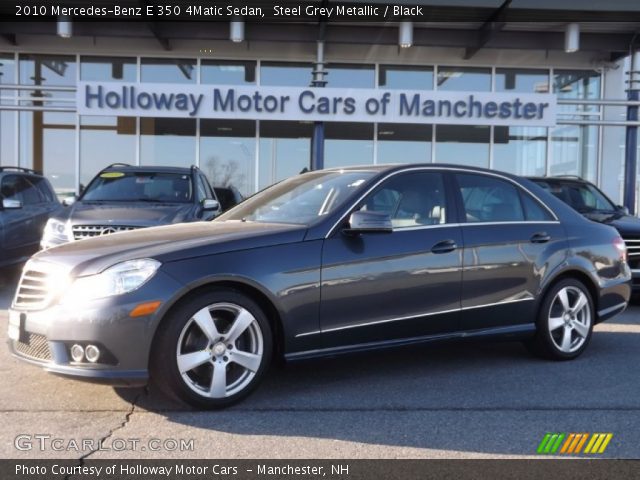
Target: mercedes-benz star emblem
[{"x": 107, "y": 231}]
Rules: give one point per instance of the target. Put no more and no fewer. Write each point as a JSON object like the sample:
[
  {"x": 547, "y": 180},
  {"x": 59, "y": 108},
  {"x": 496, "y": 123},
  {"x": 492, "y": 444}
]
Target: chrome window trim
[
  {"x": 449, "y": 169},
  {"x": 410, "y": 317}
]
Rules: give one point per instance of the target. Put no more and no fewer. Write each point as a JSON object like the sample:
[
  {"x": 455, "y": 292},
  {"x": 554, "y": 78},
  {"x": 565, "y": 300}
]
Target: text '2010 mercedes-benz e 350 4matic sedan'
[{"x": 327, "y": 262}]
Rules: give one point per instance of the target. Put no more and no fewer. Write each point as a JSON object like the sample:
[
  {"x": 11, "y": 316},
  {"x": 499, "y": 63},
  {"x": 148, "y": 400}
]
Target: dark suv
[
  {"x": 591, "y": 202},
  {"x": 123, "y": 197},
  {"x": 27, "y": 202}
]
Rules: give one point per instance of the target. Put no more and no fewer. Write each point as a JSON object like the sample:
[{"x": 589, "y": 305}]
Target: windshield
[
  {"x": 302, "y": 199},
  {"x": 140, "y": 187},
  {"x": 583, "y": 197}
]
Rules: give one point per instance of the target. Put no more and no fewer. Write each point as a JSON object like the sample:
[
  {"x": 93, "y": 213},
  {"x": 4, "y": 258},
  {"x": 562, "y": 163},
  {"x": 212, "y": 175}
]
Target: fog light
[
  {"x": 77, "y": 353},
  {"x": 92, "y": 353}
]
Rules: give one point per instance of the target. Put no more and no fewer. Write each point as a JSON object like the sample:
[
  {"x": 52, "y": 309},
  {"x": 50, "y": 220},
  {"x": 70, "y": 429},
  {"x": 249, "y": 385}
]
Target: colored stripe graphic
[{"x": 572, "y": 443}]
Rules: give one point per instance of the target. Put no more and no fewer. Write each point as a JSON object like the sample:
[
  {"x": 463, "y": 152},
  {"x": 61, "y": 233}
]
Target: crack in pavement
[{"x": 127, "y": 419}]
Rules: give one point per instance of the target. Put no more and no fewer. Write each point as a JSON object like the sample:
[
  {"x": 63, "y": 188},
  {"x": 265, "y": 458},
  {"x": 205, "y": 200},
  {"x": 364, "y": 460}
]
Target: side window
[
  {"x": 45, "y": 191},
  {"x": 30, "y": 193},
  {"x": 202, "y": 189},
  {"x": 533, "y": 210},
  {"x": 207, "y": 187},
  {"x": 489, "y": 199},
  {"x": 411, "y": 199},
  {"x": 9, "y": 188}
]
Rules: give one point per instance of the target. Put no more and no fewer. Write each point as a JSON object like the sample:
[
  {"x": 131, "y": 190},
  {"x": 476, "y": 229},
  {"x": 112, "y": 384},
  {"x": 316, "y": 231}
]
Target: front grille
[
  {"x": 35, "y": 346},
  {"x": 633, "y": 251},
  {"x": 33, "y": 290},
  {"x": 81, "y": 232},
  {"x": 39, "y": 284}
]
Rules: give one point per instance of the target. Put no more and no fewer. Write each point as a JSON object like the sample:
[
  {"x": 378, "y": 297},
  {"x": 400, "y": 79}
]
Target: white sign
[{"x": 316, "y": 104}]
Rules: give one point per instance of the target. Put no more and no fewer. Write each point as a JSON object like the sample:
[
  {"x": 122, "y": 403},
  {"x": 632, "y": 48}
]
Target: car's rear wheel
[
  {"x": 213, "y": 350},
  {"x": 565, "y": 321}
]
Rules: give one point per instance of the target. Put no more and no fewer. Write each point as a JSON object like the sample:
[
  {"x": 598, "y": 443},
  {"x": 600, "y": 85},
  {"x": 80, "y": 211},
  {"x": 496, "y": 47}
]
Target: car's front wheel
[
  {"x": 565, "y": 321},
  {"x": 212, "y": 350}
]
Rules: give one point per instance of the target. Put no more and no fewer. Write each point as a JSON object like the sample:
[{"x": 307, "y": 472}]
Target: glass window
[
  {"x": 574, "y": 151},
  {"x": 48, "y": 145},
  {"x": 21, "y": 188},
  {"x": 463, "y": 144},
  {"x": 466, "y": 79},
  {"x": 285, "y": 150},
  {"x": 583, "y": 197},
  {"x": 50, "y": 70},
  {"x": 522, "y": 80},
  {"x": 533, "y": 210},
  {"x": 578, "y": 85},
  {"x": 7, "y": 118},
  {"x": 141, "y": 186},
  {"x": 404, "y": 143},
  {"x": 405, "y": 77},
  {"x": 119, "y": 133},
  {"x": 43, "y": 187},
  {"x": 227, "y": 153},
  {"x": 302, "y": 199},
  {"x": 286, "y": 74},
  {"x": 520, "y": 150},
  {"x": 348, "y": 144},
  {"x": 163, "y": 70},
  {"x": 488, "y": 199},
  {"x": 168, "y": 141},
  {"x": 350, "y": 76},
  {"x": 111, "y": 69},
  {"x": 228, "y": 72},
  {"x": 410, "y": 200}
]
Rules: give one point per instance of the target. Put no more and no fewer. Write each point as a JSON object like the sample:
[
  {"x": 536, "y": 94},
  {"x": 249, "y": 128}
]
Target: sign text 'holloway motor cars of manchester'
[{"x": 316, "y": 104}]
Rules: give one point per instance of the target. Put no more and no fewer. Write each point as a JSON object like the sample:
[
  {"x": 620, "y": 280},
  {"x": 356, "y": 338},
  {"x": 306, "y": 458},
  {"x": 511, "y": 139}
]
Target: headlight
[
  {"x": 121, "y": 278},
  {"x": 56, "y": 232}
]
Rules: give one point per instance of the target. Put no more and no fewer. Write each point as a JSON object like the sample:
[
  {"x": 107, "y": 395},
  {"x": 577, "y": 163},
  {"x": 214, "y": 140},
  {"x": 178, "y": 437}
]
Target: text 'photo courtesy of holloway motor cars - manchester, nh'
[{"x": 320, "y": 239}]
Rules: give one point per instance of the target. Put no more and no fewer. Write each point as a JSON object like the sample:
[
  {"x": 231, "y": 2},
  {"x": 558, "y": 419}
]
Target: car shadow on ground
[{"x": 432, "y": 397}]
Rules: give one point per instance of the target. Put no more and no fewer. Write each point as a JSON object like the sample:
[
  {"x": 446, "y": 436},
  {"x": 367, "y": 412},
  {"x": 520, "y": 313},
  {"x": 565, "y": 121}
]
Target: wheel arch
[
  {"x": 576, "y": 274},
  {"x": 256, "y": 294}
]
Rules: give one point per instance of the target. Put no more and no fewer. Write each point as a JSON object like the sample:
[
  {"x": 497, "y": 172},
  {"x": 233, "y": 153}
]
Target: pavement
[{"x": 471, "y": 400}]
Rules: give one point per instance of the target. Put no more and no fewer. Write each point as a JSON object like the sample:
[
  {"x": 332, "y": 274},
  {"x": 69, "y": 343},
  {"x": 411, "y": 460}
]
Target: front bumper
[{"x": 46, "y": 336}]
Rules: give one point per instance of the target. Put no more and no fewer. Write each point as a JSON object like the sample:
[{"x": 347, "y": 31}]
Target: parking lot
[{"x": 446, "y": 401}]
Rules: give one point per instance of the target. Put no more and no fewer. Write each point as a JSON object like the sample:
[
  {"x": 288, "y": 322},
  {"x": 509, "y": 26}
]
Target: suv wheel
[
  {"x": 565, "y": 321},
  {"x": 213, "y": 350}
]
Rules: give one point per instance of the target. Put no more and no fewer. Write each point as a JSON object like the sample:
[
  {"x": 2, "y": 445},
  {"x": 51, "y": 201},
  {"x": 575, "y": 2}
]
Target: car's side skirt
[{"x": 514, "y": 330}]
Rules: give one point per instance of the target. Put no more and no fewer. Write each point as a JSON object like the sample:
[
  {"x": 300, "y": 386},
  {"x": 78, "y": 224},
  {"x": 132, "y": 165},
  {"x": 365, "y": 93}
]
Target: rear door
[
  {"x": 509, "y": 239},
  {"x": 21, "y": 226},
  {"x": 388, "y": 286}
]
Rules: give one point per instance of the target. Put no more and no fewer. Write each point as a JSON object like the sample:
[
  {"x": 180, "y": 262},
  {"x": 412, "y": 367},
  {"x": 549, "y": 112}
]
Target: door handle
[
  {"x": 541, "y": 237},
  {"x": 444, "y": 246}
]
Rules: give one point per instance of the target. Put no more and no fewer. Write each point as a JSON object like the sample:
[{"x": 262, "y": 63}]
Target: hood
[
  {"x": 135, "y": 214},
  {"x": 625, "y": 224},
  {"x": 169, "y": 243}
]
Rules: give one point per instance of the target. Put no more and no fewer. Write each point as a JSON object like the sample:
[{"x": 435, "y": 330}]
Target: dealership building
[{"x": 467, "y": 82}]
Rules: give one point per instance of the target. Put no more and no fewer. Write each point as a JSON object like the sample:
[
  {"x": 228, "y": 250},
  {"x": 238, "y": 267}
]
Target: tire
[
  {"x": 213, "y": 350},
  {"x": 563, "y": 330}
]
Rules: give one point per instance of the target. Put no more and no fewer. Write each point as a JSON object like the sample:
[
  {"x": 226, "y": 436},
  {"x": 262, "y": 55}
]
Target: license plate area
[{"x": 16, "y": 326}]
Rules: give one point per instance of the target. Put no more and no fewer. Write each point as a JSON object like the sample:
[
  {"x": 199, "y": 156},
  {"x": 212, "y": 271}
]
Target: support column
[
  {"x": 631, "y": 141},
  {"x": 317, "y": 141}
]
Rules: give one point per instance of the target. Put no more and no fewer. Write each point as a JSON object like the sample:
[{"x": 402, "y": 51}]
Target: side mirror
[
  {"x": 363, "y": 221},
  {"x": 622, "y": 209},
  {"x": 9, "y": 204},
  {"x": 68, "y": 201},
  {"x": 209, "y": 204}
]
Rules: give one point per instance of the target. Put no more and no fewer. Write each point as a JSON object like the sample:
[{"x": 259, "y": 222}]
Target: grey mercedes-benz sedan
[{"x": 323, "y": 263}]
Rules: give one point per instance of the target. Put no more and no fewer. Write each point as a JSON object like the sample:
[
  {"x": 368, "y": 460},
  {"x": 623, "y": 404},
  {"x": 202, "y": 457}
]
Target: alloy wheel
[
  {"x": 570, "y": 319},
  {"x": 220, "y": 350}
]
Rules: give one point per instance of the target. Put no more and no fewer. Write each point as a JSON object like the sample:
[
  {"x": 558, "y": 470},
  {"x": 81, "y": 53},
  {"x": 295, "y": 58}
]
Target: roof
[{"x": 146, "y": 169}]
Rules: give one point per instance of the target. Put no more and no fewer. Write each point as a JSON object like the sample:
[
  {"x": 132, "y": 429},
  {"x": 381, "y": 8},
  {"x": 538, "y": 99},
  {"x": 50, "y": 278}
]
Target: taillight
[{"x": 621, "y": 247}]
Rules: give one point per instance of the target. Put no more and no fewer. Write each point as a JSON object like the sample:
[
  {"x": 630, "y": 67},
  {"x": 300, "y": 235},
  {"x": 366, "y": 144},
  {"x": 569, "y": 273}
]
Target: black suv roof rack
[
  {"x": 577, "y": 177},
  {"x": 20, "y": 169},
  {"x": 117, "y": 164}
]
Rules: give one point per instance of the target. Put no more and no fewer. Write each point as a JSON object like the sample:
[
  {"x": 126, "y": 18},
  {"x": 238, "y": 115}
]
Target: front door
[{"x": 388, "y": 286}]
